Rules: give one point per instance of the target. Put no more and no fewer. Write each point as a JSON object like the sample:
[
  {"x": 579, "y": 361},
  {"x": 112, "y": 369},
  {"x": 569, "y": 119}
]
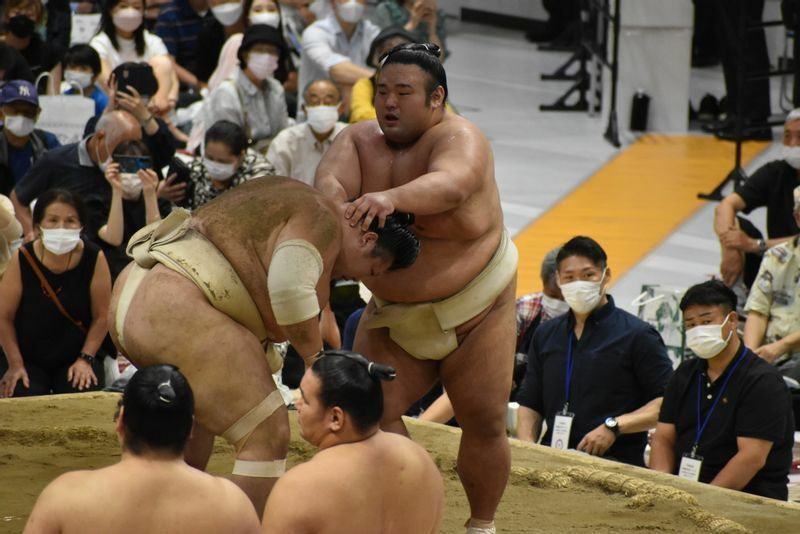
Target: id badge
[
  {"x": 690, "y": 466},
  {"x": 562, "y": 426}
]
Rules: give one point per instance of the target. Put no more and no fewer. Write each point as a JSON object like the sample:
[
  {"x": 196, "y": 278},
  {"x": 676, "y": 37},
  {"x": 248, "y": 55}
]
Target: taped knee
[
  {"x": 239, "y": 432},
  {"x": 260, "y": 469}
]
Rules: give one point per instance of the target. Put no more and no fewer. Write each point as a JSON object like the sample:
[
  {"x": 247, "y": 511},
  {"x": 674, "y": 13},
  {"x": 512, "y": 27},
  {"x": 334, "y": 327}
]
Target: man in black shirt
[
  {"x": 727, "y": 416},
  {"x": 597, "y": 373}
]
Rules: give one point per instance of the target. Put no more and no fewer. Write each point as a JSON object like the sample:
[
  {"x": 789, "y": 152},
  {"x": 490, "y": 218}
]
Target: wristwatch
[
  {"x": 762, "y": 246},
  {"x": 612, "y": 424},
  {"x": 88, "y": 358}
]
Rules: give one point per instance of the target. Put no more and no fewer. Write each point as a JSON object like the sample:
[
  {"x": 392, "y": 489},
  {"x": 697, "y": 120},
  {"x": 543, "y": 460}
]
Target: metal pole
[{"x": 612, "y": 132}]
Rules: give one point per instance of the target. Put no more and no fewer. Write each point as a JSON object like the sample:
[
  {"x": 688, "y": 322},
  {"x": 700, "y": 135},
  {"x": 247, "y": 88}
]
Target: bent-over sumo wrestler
[
  {"x": 208, "y": 291},
  {"x": 450, "y": 315}
]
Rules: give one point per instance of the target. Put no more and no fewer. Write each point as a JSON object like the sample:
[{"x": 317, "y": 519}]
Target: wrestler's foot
[{"x": 478, "y": 526}]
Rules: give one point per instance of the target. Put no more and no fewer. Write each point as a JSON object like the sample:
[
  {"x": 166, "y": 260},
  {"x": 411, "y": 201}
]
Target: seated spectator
[
  {"x": 742, "y": 443},
  {"x": 179, "y": 25},
  {"x": 152, "y": 9},
  {"x": 596, "y": 374},
  {"x": 253, "y": 98},
  {"x": 57, "y": 23},
  {"x": 771, "y": 186},
  {"x": 337, "y": 47},
  {"x": 362, "y": 104},
  {"x": 20, "y": 18},
  {"x": 226, "y": 163},
  {"x": 21, "y": 143},
  {"x": 10, "y": 233},
  {"x": 420, "y": 17},
  {"x": 773, "y": 321},
  {"x": 78, "y": 168},
  {"x": 12, "y": 65},
  {"x": 153, "y": 425},
  {"x": 81, "y": 69},
  {"x": 123, "y": 38},
  {"x": 53, "y": 305},
  {"x": 297, "y": 150}
]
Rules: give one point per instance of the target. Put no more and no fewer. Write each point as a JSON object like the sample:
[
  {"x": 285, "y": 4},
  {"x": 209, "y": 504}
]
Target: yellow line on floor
[{"x": 633, "y": 203}]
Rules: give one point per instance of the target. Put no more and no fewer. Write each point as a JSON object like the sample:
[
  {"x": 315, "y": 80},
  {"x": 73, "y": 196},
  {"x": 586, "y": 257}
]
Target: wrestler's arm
[{"x": 339, "y": 173}]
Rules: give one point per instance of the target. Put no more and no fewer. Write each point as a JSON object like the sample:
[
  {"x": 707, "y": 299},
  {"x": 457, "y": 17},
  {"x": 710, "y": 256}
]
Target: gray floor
[{"x": 493, "y": 78}]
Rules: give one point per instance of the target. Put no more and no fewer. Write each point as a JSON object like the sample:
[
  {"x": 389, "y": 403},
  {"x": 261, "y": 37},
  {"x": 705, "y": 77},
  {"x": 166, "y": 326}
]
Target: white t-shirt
[{"x": 153, "y": 46}]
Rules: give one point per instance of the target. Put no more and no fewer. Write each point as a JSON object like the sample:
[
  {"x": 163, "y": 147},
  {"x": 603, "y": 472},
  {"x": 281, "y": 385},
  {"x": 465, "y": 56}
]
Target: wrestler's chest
[{"x": 388, "y": 169}]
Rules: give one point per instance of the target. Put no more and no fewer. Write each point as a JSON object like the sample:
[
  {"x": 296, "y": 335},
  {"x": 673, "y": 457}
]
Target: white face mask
[
  {"x": 61, "y": 240},
  {"x": 322, "y": 118},
  {"x": 554, "y": 307},
  {"x": 583, "y": 295},
  {"x": 19, "y": 125},
  {"x": 267, "y": 18},
  {"x": 78, "y": 77},
  {"x": 262, "y": 65},
  {"x": 127, "y": 19},
  {"x": 228, "y": 13},
  {"x": 350, "y": 12},
  {"x": 222, "y": 172},
  {"x": 102, "y": 165},
  {"x": 131, "y": 185},
  {"x": 792, "y": 155},
  {"x": 706, "y": 340}
]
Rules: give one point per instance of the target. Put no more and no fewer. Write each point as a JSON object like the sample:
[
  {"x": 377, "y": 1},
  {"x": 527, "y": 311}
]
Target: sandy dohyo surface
[{"x": 549, "y": 491}]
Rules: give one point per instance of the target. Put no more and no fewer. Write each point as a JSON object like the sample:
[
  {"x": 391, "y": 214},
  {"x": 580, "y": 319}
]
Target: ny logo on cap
[{"x": 24, "y": 91}]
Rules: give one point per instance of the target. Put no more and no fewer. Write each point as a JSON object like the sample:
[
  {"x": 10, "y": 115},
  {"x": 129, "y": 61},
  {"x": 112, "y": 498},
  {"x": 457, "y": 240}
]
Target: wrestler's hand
[
  {"x": 81, "y": 375},
  {"x": 171, "y": 191},
  {"x": 367, "y": 207},
  {"x": 10, "y": 379},
  {"x": 598, "y": 441}
]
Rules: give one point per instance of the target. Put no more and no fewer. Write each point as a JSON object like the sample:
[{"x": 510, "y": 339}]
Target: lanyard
[
  {"x": 701, "y": 428},
  {"x": 568, "y": 378}
]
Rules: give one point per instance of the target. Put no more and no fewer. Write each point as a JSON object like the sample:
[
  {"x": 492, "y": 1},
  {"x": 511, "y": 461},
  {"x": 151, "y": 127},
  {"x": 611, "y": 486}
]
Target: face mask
[
  {"x": 322, "y": 118},
  {"x": 792, "y": 155},
  {"x": 127, "y": 19},
  {"x": 103, "y": 165},
  {"x": 262, "y": 65},
  {"x": 554, "y": 307},
  {"x": 61, "y": 240},
  {"x": 706, "y": 340},
  {"x": 21, "y": 26},
  {"x": 350, "y": 12},
  {"x": 131, "y": 185},
  {"x": 78, "y": 77},
  {"x": 19, "y": 125},
  {"x": 582, "y": 295},
  {"x": 221, "y": 172},
  {"x": 14, "y": 245},
  {"x": 265, "y": 17},
  {"x": 228, "y": 13}
]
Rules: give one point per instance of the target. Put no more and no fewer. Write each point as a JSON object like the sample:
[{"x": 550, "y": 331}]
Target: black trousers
[{"x": 51, "y": 381}]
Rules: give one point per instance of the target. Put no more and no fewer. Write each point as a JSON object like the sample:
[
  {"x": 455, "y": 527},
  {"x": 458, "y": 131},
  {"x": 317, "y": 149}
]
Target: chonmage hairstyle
[
  {"x": 709, "y": 293},
  {"x": 396, "y": 240},
  {"x": 425, "y": 56},
  {"x": 159, "y": 406}
]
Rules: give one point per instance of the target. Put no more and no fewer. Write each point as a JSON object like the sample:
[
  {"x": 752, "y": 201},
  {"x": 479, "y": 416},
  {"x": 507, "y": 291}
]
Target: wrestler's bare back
[
  {"x": 384, "y": 484},
  {"x": 141, "y": 496},
  {"x": 455, "y": 245}
]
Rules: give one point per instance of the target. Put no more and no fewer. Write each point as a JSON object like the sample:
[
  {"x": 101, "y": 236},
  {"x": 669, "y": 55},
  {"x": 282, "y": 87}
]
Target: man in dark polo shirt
[
  {"x": 726, "y": 418},
  {"x": 595, "y": 374}
]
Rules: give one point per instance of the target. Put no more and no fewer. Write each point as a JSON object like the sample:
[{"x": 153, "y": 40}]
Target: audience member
[
  {"x": 53, "y": 305},
  {"x": 123, "y": 38},
  {"x": 153, "y": 424},
  {"x": 20, "y": 18},
  {"x": 228, "y": 19},
  {"x": 12, "y": 65},
  {"x": 81, "y": 69},
  {"x": 58, "y": 21},
  {"x": 772, "y": 185},
  {"x": 21, "y": 143},
  {"x": 297, "y": 150},
  {"x": 10, "y": 233},
  {"x": 420, "y": 17},
  {"x": 337, "y": 47},
  {"x": 596, "y": 374},
  {"x": 227, "y": 162},
  {"x": 253, "y": 98},
  {"x": 179, "y": 25},
  {"x": 339, "y": 411},
  {"x": 362, "y": 106},
  {"x": 745, "y": 441}
]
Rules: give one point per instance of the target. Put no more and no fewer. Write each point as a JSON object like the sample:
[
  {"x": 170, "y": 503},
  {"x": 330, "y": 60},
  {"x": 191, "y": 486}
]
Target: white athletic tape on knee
[
  {"x": 241, "y": 429},
  {"x": 294, "y": 271},
  {"x": 264, "y": 469}
]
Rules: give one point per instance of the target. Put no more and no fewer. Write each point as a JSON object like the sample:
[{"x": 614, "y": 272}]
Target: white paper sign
[{"x": 84, "y": 27}]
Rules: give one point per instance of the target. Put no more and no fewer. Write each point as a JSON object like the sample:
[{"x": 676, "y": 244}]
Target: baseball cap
[{"x": 19, "y": 91}]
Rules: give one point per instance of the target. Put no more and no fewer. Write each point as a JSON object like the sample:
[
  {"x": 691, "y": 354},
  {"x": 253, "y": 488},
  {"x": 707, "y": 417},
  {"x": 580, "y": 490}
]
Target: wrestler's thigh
[
  {"x": 477, "y": 375},
  {"x": 171, "y": 322},
  {"x": 414, "y": 377}
]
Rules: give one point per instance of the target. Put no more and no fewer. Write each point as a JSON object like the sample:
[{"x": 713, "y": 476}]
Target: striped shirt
[{"x": 179, "y": 26}]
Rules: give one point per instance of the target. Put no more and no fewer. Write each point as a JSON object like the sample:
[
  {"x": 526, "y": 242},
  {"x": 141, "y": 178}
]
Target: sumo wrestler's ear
[
  {"x": 336, "y": 419},
  {"x": 437, "y": 97},
  {"x": 368, "y": 238}
]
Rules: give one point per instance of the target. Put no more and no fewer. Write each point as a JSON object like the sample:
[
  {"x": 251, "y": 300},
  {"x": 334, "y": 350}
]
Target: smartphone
[
  {"x": 133, "y": 164},
  {"x": 182, "y": 174},
  {"x": 137, "y": 75}
]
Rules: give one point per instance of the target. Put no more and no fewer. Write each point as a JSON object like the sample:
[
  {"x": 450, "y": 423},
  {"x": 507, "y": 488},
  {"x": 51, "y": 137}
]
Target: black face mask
[{"x": 21, "y": 26}]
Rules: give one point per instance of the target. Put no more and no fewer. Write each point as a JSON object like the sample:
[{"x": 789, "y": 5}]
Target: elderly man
[
  {"x": 392, "y": 485},
  {"x": 771, "y": 186},
  {"x": 153, "y": 426},
  {"x": 450, "y": 316},
  {"x": 207, "y": 291},
  {"x": 727, "y": 415}
]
